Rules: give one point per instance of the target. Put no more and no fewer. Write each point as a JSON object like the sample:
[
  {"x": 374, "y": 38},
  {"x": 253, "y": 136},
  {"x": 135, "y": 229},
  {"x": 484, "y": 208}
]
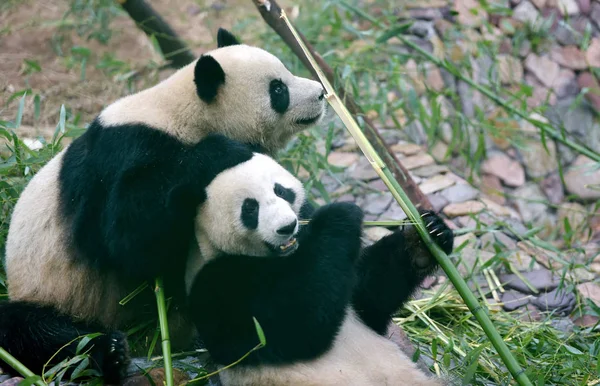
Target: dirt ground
[{"x": 27, "y": 28}]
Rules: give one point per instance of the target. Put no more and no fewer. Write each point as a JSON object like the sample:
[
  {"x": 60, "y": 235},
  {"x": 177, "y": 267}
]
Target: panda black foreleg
[
  {"x": 390, "y": 270},
  {"x": 36, "y": 334}
]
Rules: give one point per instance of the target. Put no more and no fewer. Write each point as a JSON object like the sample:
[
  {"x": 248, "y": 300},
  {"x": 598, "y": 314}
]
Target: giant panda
[
  {"x": 116, "y": 208},
  {"x": 323, "y": 300}
]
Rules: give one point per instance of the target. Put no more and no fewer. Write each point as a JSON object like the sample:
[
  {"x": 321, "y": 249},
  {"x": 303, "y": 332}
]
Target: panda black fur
[
  {"x": 116, "y": 207},
  {"x": 323, "y": 301}
]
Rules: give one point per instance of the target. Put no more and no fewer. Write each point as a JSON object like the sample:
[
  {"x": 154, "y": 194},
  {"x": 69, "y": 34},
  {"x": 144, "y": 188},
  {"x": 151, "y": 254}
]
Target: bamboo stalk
[
  {"x": 19, "y": 367},
  {"x": 164, "y": 330},
  {"x": 407, "y": 206}
]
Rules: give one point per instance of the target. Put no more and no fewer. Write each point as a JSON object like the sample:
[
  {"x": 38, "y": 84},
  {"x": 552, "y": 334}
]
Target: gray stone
[
  {"x": 544, "y": 69},
  {"x": 511, "y": 300},
  {"x": 539, "y": 161},
  {"x": 566, "y": 35},
  {"x": 375, "y": 203},
  {"x": 438, "y": 202},
  {"x": 595, "y": 13},
  {"x": 558, "y": 301},
  {"x": 553, "y": 188},
  {"x": 3, "y": 377},
  {"x": 394, "y": 212},
  {"x": 582, "y": 178},
  {"x": 12, "y": 381},
  {"x": 542, "y": 279},
  {"x": 563, "y": 324},
  {"x": 503, "y": 241},
  {"x": 362, "y": 170},
  {"x": 460, "y": 193},
  {"x": 429, "y": 170},
  {"x": 565, "y": 85},
  {"x": 527, "y": 200},
  {"x": 472, "y": 259},
  {"x": 526, "y": 12},
  {"x": 422, "y": 29}
]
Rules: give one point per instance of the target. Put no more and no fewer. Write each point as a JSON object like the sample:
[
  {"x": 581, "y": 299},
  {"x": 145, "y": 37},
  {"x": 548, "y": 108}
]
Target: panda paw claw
[
  {"x": 116, "y": 358},
  {"x": 439, "y": 231}
]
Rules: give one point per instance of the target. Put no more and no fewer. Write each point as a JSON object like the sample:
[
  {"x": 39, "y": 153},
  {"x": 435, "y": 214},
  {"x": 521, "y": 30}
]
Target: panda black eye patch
[
  {"x": 249, "y": 215},
  {"x": 280, "y": 95},
  {"x": 285, "y": 193}
]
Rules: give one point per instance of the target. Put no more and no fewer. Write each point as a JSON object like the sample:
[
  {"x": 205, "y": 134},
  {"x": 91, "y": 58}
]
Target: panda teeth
[{"x": 288, "y": 244}]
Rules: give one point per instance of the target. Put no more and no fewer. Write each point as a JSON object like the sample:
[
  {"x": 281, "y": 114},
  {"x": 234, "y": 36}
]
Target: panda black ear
[
  {"x": 208, "y": 77},
  {"x": 226, "y": 38}
]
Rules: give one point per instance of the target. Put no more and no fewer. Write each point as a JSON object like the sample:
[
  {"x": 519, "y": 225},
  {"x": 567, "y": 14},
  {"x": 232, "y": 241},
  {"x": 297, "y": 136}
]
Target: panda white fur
[
  {"x": 116, "y": 207},
  {"x": 323, "y": 301}
]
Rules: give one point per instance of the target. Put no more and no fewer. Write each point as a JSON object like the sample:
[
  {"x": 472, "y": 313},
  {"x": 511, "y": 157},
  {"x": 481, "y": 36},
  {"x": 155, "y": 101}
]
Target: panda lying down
[{"x": 323, "y": 302}]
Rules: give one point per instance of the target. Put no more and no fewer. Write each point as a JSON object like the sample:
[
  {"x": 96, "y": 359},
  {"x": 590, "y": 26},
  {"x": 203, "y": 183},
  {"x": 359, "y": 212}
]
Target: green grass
[{"x": 375, "y": 73}]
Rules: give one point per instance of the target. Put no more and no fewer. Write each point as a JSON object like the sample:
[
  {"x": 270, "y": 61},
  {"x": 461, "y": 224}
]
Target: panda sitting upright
[
  {"x": 116, "y": 208},
  {"x": 323, "y": 302}
]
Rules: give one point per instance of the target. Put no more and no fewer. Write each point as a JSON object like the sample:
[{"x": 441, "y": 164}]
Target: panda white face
[
  {"x": 251, "y": 209},
  {"x": 264, "y": 101}
]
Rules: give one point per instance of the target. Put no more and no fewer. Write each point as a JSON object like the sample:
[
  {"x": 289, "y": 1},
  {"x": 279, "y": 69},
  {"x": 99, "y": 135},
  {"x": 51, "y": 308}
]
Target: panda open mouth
[
  {"x": 308, "y": 121},
  {"x": 284, "y": 249}
]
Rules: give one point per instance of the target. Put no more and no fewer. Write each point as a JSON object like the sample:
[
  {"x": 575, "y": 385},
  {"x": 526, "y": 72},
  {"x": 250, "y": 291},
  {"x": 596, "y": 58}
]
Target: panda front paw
[
  {"x": 439, "y": 231},
  {"x": 342, "y": 217},
  {"x": 116, "y": 358}
]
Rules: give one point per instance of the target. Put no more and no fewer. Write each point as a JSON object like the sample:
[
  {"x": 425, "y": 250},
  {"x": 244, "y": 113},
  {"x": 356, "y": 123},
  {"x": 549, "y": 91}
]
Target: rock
[
  {"x": 593, "y": 53},
  {"x": 376, "y": 233},
  {"x": 566, "y": 35},
  {"x": 576, "y": 214},
  {"x": 559, "y": 301},
  {"x": 565, "y": 84},
  {"x": 587, "y": 80},
  {"x": 526, "y": 12},
  {"x": 470, "y": 238},
  {"x": 595, "y": 13},
  {"x": 539, "y": 4},
  {"x": 580, "y": 176},
  {"x": 438, "y": 202},
  {"x": 406, "y": 148},
  {"x": 346, "y": 198},
  {"x": 12, "y": 381},
  {"x": 460, "y": 193},
  {"x": 418, "y": 160},
  {"x": 590, "y": 291},
  {"x": 541, "y": 95},
  {"x": 511, "y": 69},
  {"x": 511, "y": 300},
  {"x": 568, "y": 7},
  {"x": 564, "y": 325},
  {"x": 362, "y": 170},
  {"x": 527, "y": 202},
  {"x": 377, "y": 184},
  {"x": 539, "y": 160},
  {"x": 439, "y": 151},
  {"x": 553, "y": 188},
  {"x": 584, "y": 6},
  {"x": 375, "y": 203},
  {"x": 436, "y": 183},
  {"x": 337, "y": 158},
  {"x": 3, "y": 377},
  {"x": 507, "y": 169},
  {"x": 530, "y": 314},
  {"x": 393, "y": 213},
  {"x": 470, "y": 13},
  {"x": 569, "y": 56},
  {"x": 463, "y": 208},
  {"x": 577, "y": 116},
  {"x": 472, "y": 259},
  {"x": 544, "y": 69},
  {"x": 422, "y": 28},
  {"x": 542, "y": 280},
  {"x": 429, "y": 170},
  {"x": 492, "y": 187},
  {"x": 504, "y": 242},
  {"x": 495, "y": 208},
  {"x": 586, "y": 321}
]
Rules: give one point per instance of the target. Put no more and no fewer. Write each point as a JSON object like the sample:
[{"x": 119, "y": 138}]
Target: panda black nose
[
  {"x": 322, "y": 95},
  {"x": 288, "y": 229}
]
